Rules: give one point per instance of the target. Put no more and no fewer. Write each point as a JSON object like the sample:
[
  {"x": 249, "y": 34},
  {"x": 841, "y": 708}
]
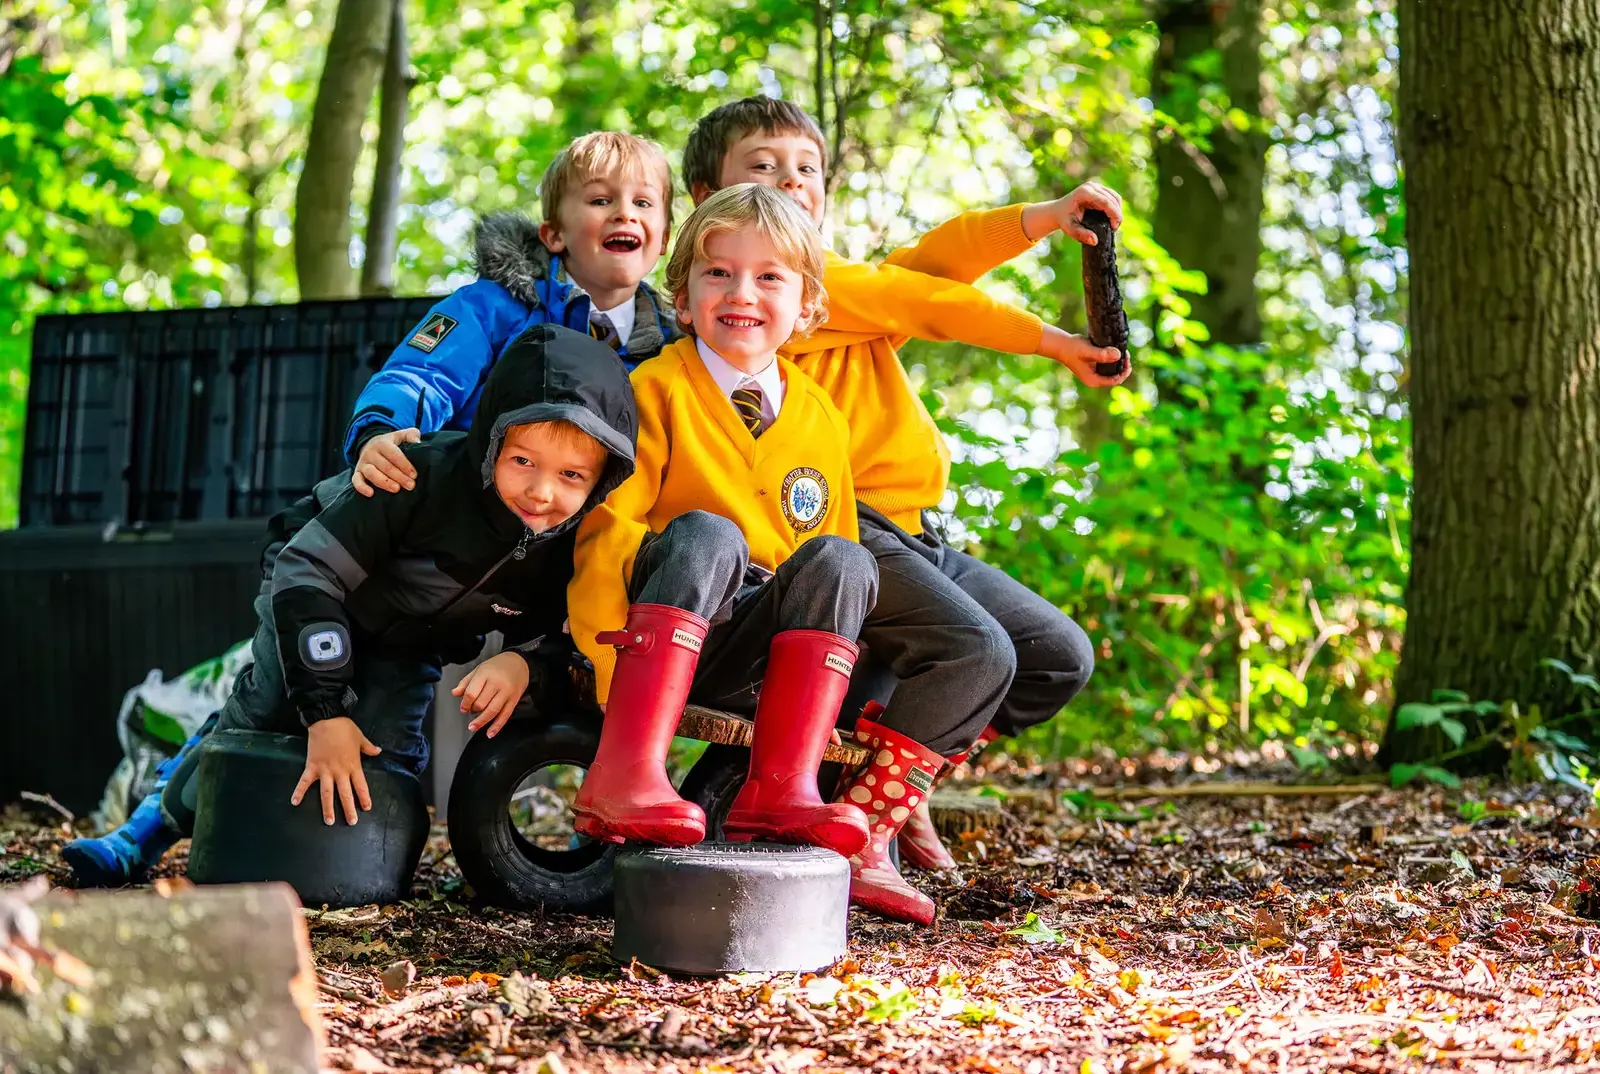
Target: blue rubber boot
[{"x": 127, "y": 854}]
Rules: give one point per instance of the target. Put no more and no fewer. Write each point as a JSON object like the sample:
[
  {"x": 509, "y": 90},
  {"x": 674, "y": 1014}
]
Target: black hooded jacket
[{"x": 429, "y": 571}]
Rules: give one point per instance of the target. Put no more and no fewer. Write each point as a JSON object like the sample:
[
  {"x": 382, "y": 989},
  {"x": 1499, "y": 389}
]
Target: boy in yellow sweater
[
  {"x": 965, "y": 640},
  {"x": 729, "y": 560}
]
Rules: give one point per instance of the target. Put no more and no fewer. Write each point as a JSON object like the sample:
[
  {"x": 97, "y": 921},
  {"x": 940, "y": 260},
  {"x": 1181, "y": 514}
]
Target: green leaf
[
  {"x": 1444, "y": 778},
  {"x": 1416, "y": 714},
  {"x": 976, "y": 1014},
  {"x": 1034, "y": 931},
  {"x": 1401, "y": 774},
  {"x": 893, "y": 1005},
  {"x": 1454, "y": 730}
]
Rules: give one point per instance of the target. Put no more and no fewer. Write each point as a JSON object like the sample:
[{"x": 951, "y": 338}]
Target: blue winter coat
[{"x": 432, "y": 381}]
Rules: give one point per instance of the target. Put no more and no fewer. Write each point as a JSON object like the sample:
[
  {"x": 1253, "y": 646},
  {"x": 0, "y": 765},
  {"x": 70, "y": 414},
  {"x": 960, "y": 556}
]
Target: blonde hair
[
  {"x": 772, "y": 215},
  {"x": 604, "y": 153}
]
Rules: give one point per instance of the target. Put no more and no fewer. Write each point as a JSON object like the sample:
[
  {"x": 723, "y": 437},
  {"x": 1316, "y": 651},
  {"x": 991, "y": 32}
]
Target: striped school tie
[
  {"x": 601, "y": 328},
  {"x": 747, "y": 401}
]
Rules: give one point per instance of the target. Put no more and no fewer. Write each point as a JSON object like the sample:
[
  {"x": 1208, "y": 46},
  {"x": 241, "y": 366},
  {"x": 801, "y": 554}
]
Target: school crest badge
[
  {"x": 432, "y": 332},
  {"x": 804, "y": 499}
]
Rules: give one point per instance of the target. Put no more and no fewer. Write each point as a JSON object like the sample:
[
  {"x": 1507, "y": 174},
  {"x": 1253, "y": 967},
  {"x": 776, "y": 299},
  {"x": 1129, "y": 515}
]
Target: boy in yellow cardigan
[
  {"x": 961, "y": 636},
  {"x": 729, "y": 559}
]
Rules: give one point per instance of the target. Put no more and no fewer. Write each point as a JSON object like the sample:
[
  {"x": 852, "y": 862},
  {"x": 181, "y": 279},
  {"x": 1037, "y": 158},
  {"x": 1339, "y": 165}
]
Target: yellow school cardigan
[{"x": 781, "y": 489}]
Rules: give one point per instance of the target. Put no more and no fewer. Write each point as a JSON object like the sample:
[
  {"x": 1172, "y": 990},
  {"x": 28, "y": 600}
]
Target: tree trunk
[
  {"x": 1209, "y": 202},
  {"x": 1500, "y": 133},
  {"x": 586, "y": 90},
  {"x": 322, "y": 197},
  {"x": 383, "y": 212}
]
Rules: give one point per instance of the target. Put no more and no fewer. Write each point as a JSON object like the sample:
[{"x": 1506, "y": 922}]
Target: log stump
[{"x": 216, "y": 978}]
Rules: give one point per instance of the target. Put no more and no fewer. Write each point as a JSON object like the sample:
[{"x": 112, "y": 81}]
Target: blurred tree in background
[{"x": 1231, "y": 525}]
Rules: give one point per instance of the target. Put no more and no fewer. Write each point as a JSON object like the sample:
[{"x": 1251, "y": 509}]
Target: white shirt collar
[
  {"x": 730, "y": 377},
  {"x": 622, "y": 317}
]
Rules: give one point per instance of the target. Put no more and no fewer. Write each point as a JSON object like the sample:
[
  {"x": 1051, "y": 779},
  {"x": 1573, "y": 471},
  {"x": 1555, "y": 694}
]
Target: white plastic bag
[{"x": 156, "y": 718}]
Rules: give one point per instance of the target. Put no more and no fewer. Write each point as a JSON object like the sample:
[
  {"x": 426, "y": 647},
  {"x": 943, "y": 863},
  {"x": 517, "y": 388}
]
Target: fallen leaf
[{"x": 396, "y": 978}]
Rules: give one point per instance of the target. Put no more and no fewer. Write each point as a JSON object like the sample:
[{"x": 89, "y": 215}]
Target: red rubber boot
[
  {"x": 626, "y": 794},
  {"x": 897, "y": 778},
  {"x": 807, "y": 676},
  {"x": 920, "y": 844}
]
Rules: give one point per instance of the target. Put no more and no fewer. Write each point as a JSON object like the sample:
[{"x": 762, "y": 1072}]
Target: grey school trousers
[
  {"x": 969, "y": 644},
  {"x": 700, "y": 562}
]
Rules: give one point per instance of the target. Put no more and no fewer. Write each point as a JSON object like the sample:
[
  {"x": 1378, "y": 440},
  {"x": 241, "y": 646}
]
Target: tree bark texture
[
  {"x": 322, "y": 198},
  {"x": 1500, "y": 134},
  {"x": 214, "y": 978},
  {"x": 383, "y": 211},
  {"x": 1209, "y": 201}
]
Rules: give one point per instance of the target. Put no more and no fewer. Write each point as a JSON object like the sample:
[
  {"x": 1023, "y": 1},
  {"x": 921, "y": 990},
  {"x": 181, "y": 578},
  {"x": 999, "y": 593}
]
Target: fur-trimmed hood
[{"x": 509, "y": 252}]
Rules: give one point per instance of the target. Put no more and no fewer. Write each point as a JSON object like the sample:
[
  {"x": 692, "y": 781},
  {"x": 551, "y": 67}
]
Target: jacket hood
[
  {"x": 550, "y": 373},
  {"x": 509, "y": 252}
]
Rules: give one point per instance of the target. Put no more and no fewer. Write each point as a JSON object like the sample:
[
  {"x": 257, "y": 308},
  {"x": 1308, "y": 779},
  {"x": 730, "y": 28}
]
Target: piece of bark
[
  {"x": 712, "y": 725},
  {"x": 954, "y": 813},
  {"x": 213, "y": 978},
  {"x": 1102, "y": 293}
]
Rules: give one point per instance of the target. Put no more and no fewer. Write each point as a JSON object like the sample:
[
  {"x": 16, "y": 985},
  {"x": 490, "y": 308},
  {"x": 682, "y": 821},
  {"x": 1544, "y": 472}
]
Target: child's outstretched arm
[
  {"x": 609, "y": 536},
  {"x": 312, "y": 578},
  {"x": 967, "y": 246},
  {"x": 886, "y": 300},
  {"x": 431, "y": 375}
]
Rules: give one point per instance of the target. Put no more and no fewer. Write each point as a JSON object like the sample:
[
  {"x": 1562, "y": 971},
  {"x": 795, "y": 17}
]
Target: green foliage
[
  {"x": 1233, "y": 540},
  {"x": 1536, "y": 748}
]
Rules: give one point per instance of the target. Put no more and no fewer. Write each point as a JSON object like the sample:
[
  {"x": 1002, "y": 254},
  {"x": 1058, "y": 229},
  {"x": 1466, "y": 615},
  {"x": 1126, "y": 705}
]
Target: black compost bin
[
  {"x": 155, "y": 447},
  {"x": 85, "y": 618}
]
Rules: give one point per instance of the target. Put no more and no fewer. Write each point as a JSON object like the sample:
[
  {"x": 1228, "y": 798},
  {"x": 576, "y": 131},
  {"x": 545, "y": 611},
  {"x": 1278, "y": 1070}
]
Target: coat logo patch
[
  {"x": 804, "y": 498},
  {"x": 324, "y": 646},
  {"x": 432, "y": 332},
  {"x": 503, "y": 610}
]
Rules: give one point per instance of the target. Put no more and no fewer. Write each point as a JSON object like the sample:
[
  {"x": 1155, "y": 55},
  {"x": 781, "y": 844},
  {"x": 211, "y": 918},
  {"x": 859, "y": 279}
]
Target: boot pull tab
[{"x": 633, "y": 641}]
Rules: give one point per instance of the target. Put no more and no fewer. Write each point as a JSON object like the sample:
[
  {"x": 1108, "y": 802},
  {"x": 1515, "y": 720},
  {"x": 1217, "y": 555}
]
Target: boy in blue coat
[{"x": 607, "y": 203}]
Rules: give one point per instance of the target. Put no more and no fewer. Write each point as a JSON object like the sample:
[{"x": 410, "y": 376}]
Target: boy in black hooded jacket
[{"x": 367, "y": 598}]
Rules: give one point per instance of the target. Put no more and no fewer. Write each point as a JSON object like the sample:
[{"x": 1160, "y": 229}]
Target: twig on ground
[{"x": 45, "y": 799}]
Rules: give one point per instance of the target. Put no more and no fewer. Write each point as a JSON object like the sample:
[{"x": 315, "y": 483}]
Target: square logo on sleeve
[{"x": 432, "y": 332}]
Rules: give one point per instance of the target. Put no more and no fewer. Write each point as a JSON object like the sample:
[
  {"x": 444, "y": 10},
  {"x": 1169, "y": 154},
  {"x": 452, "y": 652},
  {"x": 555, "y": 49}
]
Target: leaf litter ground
[{"x": 1387, "y": 930}]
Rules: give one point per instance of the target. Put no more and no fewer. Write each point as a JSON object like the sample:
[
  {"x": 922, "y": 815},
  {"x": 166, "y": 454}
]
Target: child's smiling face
[
  {"x": 743, "y": 298},
  {"x": 546, "y": 472},
  {"x": 612, "y": 230},
  {"x": 791, "y": 163}
]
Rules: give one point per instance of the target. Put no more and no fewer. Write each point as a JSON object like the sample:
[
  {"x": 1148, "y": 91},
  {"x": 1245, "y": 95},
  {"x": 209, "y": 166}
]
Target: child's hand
[
  {"x": 1066, "y": 214},
  {"x": 382, "y": 465},
  {"x": 333, "y": 755},
  {"x": 492, "y": 689},
  {"x": 1080, "y": 356}
]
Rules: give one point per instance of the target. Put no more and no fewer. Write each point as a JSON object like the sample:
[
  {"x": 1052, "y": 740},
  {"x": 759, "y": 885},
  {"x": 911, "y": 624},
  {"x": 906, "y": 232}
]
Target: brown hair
[
  {"x": 604, "y": 153},
  {"x": 776, "y": 218},
  {"x": 718, "y": 129}
]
